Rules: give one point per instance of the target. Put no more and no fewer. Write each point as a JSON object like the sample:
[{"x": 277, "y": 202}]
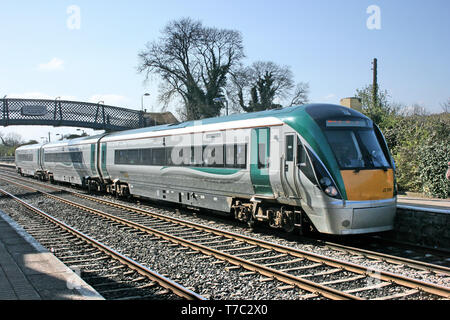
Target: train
[{"x": 319, "y": 167}]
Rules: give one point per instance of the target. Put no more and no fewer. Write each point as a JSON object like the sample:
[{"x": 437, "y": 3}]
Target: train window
[
  {"x": 183, "y": 155},
  {"x": 213, "y": 156},
  {"x": 175, "y": 157},
  {"x": 146, "y": 156},
  {"x": 74, "y": 157},
  {"x": 158, "y": 157},
  {"x": 356, "y": 149},
  {"x": 241, "y": 156},
  {"x": 236, "y": 156},
  {"x": 196, "y": 156},
  {"x": 261, "y": 155},
  {"x": 25, "y": 157},
  {"x": 120, "y": 157},
  {"x": 263, "y": 143},
  {"x": 229, "y": 155},
  {"x": 304, "y": 163},
  {"x": 169, "y": 161},
  {"x": 133, "y": 156},
  {"x": 289, "y": 148}
]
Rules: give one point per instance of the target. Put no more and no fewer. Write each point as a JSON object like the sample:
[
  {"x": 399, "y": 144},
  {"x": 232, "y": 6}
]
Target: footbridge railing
[{"x": 69, "y": 113}]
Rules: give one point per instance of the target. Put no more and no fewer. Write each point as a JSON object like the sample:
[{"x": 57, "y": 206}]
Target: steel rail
[
  {"x": 269, "y": 272},
  {"x": 176, "y": 288},
  {"x": 348, "y": 266},
  {"x": 390, "y": 258}
]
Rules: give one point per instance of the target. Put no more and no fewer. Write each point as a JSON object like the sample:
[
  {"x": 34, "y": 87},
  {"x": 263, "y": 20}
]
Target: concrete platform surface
[
  {"x": 441, "y": 204},
  {"x": 29, "y": 272}
]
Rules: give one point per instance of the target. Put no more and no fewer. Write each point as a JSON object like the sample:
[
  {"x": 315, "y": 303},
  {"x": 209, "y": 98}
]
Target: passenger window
[
  {"x": 262, "y": 156},
  {"x": 304, "y": 163},
  {"x": 290, "y": 148},
  {"x": 229, "y": 155},
  {"x": 147, "y": 156},
  {"x": 169, "y": 161},
  {"x": 241, "y": 156},
  {"x": 158, "y": 156},
  {"x": 213, "y": 156},
  {"x": 263, "y": 138},
  {"x": 196, "y": 156}
]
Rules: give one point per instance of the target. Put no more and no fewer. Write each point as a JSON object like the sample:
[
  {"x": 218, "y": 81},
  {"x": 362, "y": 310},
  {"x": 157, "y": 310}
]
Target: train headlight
[
  {"x": 331, "y": 191},
  {"x": 325, "y": 181}
]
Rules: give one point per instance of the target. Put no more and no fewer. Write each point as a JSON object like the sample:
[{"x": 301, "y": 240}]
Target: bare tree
[
  {"x": 12, "y": 139},
  {"x": 263, "y": 83},
  {"x": 193, "y": 62},
  {"x": 300, "y": 95},
  {"x": 446, "y": 106}
]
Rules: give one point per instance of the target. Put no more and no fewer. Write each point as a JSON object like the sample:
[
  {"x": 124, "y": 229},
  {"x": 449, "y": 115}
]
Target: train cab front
[{"x": 354, "y": 171}]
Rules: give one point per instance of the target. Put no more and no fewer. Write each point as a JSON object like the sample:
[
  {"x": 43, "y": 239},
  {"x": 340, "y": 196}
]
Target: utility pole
[{"x": 374, "y": 83}]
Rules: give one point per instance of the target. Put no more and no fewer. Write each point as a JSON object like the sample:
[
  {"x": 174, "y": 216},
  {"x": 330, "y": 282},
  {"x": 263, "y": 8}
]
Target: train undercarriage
[
  {"x": 277, "y": 216},
  {"x": 250, "y": 212}
]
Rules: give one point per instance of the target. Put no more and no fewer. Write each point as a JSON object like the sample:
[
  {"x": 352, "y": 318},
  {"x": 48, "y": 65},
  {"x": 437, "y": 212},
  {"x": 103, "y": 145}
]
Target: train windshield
[{"x": 356, "y": 148}]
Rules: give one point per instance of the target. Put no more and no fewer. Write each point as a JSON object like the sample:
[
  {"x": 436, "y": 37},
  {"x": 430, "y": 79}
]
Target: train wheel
[
  {"x": 251, "y": 222},
  {"x": 287, "y": 220}
]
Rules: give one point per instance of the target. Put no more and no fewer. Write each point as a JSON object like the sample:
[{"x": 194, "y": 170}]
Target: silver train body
[{"x": 276, "y": 166}]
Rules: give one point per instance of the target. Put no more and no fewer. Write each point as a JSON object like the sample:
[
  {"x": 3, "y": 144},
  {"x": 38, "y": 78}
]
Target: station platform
[
  {"x": 29, "y": 272},
  {"x": 412, "y": 200}
]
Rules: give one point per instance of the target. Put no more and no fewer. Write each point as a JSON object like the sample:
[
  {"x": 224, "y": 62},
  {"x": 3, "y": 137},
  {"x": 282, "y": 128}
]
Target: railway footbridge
[{"x": 57, "y": 112}]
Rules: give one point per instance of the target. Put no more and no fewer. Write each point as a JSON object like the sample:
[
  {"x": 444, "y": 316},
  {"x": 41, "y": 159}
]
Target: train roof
[
  {"x": 58, "y": 143},
  {"x": 317, "y": 111},
  {"x": 30, "y": 146},
  {"x": 75, "y": 141},
  {"x": 278, "y": 116},
  {"x": 216, "y": 120}
]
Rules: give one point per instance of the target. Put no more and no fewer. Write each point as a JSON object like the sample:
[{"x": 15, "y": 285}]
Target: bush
[
  {"x": 432, "y": 168},
  {"x": 419, "y": 145},
  {"x": 418, "y": 142}
]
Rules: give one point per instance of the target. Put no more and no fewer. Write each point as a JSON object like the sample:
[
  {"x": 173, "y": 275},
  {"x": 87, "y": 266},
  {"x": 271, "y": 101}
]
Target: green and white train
[{"x": 319, "y": 166}]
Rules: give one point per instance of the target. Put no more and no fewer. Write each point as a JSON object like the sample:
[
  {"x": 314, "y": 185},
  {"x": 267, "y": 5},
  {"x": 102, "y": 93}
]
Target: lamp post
[
  {"x": 142, "y": 100},
  {"x": 222, "y": 99}
]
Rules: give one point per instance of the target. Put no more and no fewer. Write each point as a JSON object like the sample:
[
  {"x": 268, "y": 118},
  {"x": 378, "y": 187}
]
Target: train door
[
  {"x": 92, "y": 160},
  {"x": 102, "y": 161},
  {"x": 259, "y": 161},
  {"x": 289, "y": 169},
  {"x": 39, "y": 159}
]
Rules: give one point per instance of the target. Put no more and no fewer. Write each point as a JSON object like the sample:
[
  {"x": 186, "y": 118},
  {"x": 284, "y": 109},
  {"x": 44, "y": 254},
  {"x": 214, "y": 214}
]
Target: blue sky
[{"x": 326, "y": 43}]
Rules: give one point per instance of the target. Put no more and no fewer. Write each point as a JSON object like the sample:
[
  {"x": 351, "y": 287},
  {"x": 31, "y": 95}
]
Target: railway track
[
  {"x": 316, "y": 274},
  {"x": 360, "y": 245},
  {"x": 112, "y": 274}
]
